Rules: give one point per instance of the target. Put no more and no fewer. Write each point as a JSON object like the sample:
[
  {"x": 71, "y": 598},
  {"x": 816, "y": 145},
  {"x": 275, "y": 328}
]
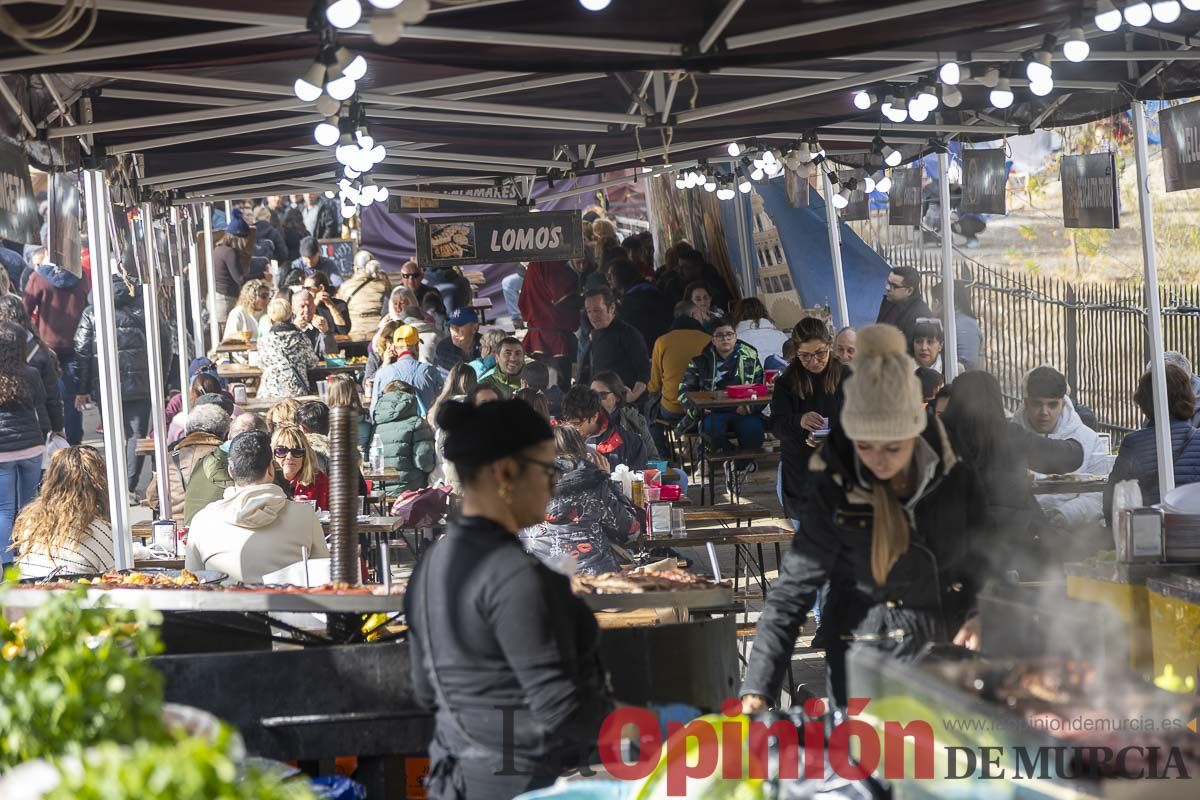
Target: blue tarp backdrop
[{"x": 805, "y": 239}]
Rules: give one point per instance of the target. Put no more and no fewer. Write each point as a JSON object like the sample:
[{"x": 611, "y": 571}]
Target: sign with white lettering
[
  {"x": 400, "y": 203},
  {"x": 18, "y": 210},
  {"x": 985, "y": 176},
  {"x": 904, "y": 200},
  {"x": 499, "y": 238},
  {"x": 1089, "y": 190},
  {"x": 1179, "y": 127}
]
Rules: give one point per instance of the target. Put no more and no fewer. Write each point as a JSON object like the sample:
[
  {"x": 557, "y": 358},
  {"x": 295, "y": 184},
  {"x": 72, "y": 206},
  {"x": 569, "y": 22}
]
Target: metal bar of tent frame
[
  {"x": 198, "y": 115},
  {"x": 200, "y": 136},
  {"x": 1162, "y": 419},
  {"x": 181, "y": 320},
  {"x": 98, "y": 213},
  {"x": 48, "y": 82},
  {"x": 891, "y": 11},
  {"x": 17, "y": 108},
  {"x": 170, "y": 97},
  {"x": 950, "y": 348},
  {"x": 719, "y": 24},
  {"x": 196, "y": 294},
  {"x": 835, "y": 252},
  {"x": 213, "y": 324},
  {"x": 158, "y": 393},
  {"x": 489, "y": 120}
]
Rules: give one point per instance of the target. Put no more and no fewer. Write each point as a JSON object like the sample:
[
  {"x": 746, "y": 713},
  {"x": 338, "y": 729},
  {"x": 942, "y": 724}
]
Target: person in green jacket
[
  {"x": 210, "y": 477},
  {"x": 407, "y": 438}
]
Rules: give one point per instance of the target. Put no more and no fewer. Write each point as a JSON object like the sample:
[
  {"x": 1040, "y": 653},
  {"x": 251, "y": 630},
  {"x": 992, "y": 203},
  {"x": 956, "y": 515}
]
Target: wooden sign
[
  {"x": 1089, "y": 189},
  {"x": 18, "y": 210},
  {"x": 859, "y": 207},
  {"x": 1179, "y": 127},
  {"x": 904, "y": 200},
  {"x": 499, "y": 238},
  {"x": 985, "y": 177},
  {"x": 400, "y": 203}
]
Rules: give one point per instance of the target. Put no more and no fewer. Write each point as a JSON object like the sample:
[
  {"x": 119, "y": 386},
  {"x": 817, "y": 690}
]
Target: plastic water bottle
[{"x": 377, "y": 454}]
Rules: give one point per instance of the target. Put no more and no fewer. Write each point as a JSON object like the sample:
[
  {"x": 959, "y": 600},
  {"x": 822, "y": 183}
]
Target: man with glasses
[
  {"x": 726, "y": 362},
  {"x": 902, "y": 303},
  {"x": 411, "y": 277}
]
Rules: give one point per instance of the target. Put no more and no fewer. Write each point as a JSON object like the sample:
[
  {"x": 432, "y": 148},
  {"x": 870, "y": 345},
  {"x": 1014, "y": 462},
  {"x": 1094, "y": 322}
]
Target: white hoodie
[
  {"x": 767, "y": 340},
  {"x": 1076, "y": 509},
  {"x": 252, "y": 531}
]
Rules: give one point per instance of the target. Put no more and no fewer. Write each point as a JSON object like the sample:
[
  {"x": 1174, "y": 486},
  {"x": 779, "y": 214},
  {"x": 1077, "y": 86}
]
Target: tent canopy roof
[{"x": 498, "y": 89}]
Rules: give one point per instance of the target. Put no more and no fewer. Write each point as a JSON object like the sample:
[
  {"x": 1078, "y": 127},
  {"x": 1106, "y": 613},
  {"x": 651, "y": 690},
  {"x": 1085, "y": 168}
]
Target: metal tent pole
[
  {"x": 181, "y": 326},
  {"x": 746, "y": 243},
  {"x": 1162, "y": 419},
  {"x": 158, "y": 394},
  {"x": 213, "y": 323},
  {"x": 98, "y": 212},
  {"x": 950, "y": 349},
  {"x": 835, "y": 253},
  {"x": 194, "y": 292}
]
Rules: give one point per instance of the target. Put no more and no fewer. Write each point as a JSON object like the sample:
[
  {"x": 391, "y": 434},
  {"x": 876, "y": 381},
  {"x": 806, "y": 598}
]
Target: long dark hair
[
  {"x": 14, "y": 384},
  {"x": 797, "y": 376},
  {"x": 975, "y": 418}
]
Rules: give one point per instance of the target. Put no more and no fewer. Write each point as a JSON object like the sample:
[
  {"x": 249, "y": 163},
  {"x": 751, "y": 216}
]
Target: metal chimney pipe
[{"x": 343, "y": 495}]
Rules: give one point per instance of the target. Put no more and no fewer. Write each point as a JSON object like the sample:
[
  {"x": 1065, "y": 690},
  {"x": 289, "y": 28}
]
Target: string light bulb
[
  {"x": 308, "y": 86},
  {"x": 326, "y": 133},
  {"x": 884, "y": 184},
  {"x": 1138, "y": 14},
  {"x": 734, "y": 150},
  {"x": 1166, "y": 11},
  {"x": 595, "y": 5},
  {"x": 744, "y": 186},
  {"x": 1001, "y": 96},
  {"x": 1075, "y": 47},
  {"x": 951, "y": 96},
  {"x": 1041, "y": 88},
  {"x": 863, "y": 100},
  {"x": 1108, "y": 18},
  {"x": 950, "y": 73},
  {"x": 1037, "y": 68},
  {"x": 343, "y": 14},
  {"x": 891, "y": 156}
]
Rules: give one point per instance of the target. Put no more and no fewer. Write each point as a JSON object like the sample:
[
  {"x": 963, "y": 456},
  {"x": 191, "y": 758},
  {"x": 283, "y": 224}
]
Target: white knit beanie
[{"x": 883, "y": 396}]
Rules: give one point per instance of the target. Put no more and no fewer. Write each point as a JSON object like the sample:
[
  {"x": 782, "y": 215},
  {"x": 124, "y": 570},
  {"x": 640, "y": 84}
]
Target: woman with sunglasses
[
  {"x": 807, "y": 396},
  {"x": 294, "y": 458},
  {"x": 500, "y": 646}
]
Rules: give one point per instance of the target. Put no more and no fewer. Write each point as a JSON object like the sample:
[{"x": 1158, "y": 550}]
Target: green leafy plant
[
  {"x": 187, "y": 768},
  {"x": 72, "y": 676}
]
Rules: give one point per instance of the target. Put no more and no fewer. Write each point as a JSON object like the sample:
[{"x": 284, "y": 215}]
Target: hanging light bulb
[
  {"x": 345, "y": 152},
  {"x": 744, "y": 186},
  {"x": 840, "y": 201},
  {"x": 356, "y": 70},
  {"x": 868, "y": 184},
  {"x": 1076, "y": 48},
  {"x": 863, "y": 100},
  {"x": 892, "y": 113},
  {"x": 343, "y": 14},
  {"x": 1138, "y": 14},
  {"x": 595, "y": 5},
  {"x": 768, "y": 158},
  {"x": 1041, "y": 88},
  {"x": 378, "y": 153},
  {"x": 1037, "y": 68},
  {"x": 918, "y": 112},
  {"x": 308, "y": 86},
  {"x": 348, "y": 211},
  {"x": 710, "y": 185},
  {"x": 361, "y": 160},
  {"x": 341, "y": 88},
  {"x": 351, "y": 172},
  {"x": 990, "y": 78},
  {"x": 725, "y": 193},
  {"x": 950, "y": 73},
  {"x": 926, "y": 97},
  {"x": 329, "y": 193},
  {"x": 385, "y": 5},
  {"x": 774, "y": 169},
  {"x": 326, "y": 133},
  {"x": 382, "y": 195},
  {"x": 891, "y": 156},
  {"x": 1166, "y": 11},
  {"x": 951, "y": 96},
  {"x": 757, "y": 175},
  {"x": 680, "y": 183},
  {"x": 884, "y": 184},
  {"x": 1001, "y": 96},
  {"x": 1191, "y": 5},
  {"x": 1108, "y": 18},
  {"x": 363, "y": 138},
  {"x": 733, "y": 149}
]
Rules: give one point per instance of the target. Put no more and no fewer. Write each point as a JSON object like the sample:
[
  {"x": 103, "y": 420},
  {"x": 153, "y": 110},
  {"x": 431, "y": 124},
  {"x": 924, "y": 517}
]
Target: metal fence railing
[{"x": 1095, "y": 334}]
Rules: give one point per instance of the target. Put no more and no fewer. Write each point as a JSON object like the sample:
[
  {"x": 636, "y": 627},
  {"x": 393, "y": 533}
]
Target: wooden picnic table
[
  {"x": 741, "y": 539},
  {"x": 725, "y": 512},
  {"x": 706, "y": 401},
  {"x": 145, "y": 447},
  {"x": 482, "y": 305},
  {"x": 343, "y": 339},
  {"x": 1068, "y": 487},
  {"x": 243, "y": 372}
]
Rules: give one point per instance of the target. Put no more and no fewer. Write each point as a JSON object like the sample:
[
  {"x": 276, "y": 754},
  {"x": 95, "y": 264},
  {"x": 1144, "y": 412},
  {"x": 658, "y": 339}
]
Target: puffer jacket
[
  {"x": 132, "y": 347},
  {"x": 929, "y": 591},
  {"x": 632, "y": 420},
  {"x": 584, "y": 519},
  {"x": 1138, "y": 460},
  {"x": 43, "y": 359},
  {"x": 25, "y": 426},
  {"x": 407, "y": 439},
  {"x": 286, "y": 356},
  {"x": 364, "y": 296},
  {"x": 704, "y": 375},
  {"x": 182, "y": 459}
]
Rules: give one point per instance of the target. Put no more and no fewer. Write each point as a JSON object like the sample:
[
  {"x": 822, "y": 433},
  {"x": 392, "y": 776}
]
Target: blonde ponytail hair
[{"x": 889, "y": 532}]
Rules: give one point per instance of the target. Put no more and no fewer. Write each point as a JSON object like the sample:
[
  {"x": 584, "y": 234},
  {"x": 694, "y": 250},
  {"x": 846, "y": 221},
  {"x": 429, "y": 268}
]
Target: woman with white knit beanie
[{"x": 893, "y": 521}]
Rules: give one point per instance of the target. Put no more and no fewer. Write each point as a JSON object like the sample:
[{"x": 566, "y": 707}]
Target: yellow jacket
[{"x": 672, "y": 353}]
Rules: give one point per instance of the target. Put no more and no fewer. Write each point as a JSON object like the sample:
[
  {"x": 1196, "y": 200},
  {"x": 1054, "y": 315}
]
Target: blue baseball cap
[{"x": 463, "y": 316}]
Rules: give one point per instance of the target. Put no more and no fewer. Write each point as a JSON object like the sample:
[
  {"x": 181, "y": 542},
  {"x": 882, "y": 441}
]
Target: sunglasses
[
  {"x": 282, "y": 452},
  {"x": 410, "y": 274}
]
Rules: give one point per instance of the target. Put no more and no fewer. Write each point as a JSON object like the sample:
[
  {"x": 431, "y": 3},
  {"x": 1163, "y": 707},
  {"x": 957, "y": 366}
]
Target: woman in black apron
[{"x": 500, "y": 646}]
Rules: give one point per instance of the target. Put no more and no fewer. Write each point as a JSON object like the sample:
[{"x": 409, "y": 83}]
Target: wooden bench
[
  {"x": 708, "y": 473},
  {"x": 727, "y": 512}
]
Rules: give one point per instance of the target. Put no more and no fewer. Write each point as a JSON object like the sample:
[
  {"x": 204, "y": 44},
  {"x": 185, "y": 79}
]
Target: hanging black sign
[
  {"x": 1179, "y": 127},
  {"x": 859, "y": 206},
  {"x": 1089, "y": 190},
  {"x": 904, "y": 200},
  {"x": 985, "y": 177},
  {"x": 472, "y": 197},
  {"x": 499, "y": 238},
  {"x": 18, "y": 210}
]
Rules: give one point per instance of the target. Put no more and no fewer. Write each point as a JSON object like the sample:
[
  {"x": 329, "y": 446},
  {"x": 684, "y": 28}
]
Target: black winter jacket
[
  {"x": 787, "y": 408},
  {"x": 42, "y": 359},
  {"x": 131, "y": 346},
  {"x": 1138, "y": 460},
  {"x": 648, "y": 310},
  {"x": 904, "y": 315},
  {"x": 23, "y": 426},
  {"x": 929, "y": 591},
  {"x": 701, "y": 375}
]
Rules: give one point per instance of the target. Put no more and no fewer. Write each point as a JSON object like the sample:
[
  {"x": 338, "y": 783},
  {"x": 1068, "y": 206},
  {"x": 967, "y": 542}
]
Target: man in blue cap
[{"x": 463, "y": 342}]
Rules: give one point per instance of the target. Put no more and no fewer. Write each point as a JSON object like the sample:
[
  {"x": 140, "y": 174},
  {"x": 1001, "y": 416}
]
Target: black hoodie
[{"x": 132, "y": 348}]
